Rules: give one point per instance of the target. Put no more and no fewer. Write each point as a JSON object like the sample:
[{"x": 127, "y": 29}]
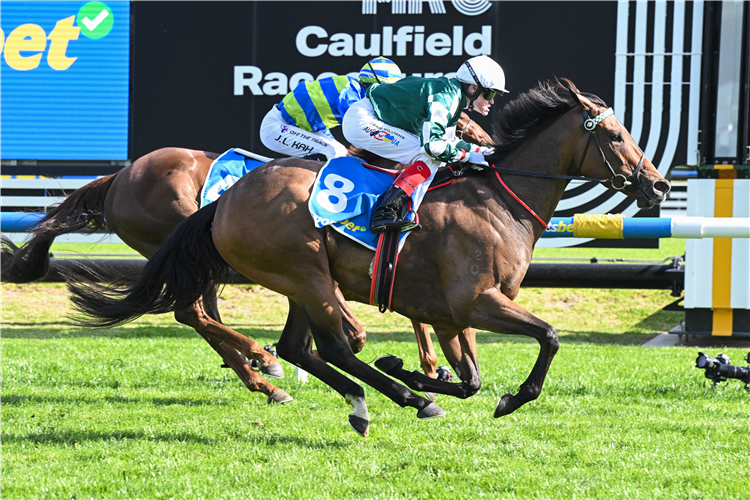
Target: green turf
[{"x": 145, "y": 411}]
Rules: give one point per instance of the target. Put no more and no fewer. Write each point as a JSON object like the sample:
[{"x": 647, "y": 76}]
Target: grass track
[{"x": 144, "y": 411}]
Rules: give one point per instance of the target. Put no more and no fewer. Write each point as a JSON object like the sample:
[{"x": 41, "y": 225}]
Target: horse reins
[{"x": 619, "y": 182}]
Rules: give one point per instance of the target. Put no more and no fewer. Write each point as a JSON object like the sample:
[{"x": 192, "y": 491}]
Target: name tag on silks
[
  {"x": 344, "y": 196},
  {"x": 224, "y": 172}
]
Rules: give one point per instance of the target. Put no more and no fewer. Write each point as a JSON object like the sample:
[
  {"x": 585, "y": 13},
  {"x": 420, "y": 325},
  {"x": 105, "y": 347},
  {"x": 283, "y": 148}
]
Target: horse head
[
  {"x": 619, "y": 158},
  {"x": 470, "y": 131}
]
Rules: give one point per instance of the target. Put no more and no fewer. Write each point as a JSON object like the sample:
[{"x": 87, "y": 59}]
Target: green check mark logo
[{"x": 95, "y": 20}]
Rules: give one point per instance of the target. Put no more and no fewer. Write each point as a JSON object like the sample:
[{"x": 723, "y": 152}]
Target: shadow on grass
[
  {"x": 11, "y": 331},
  {"x": 19, "y": 400},
  {"x": 72, "y": 437}
]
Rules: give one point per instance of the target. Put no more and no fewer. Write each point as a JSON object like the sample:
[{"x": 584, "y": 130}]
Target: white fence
[{"x": 38, "y": 195}]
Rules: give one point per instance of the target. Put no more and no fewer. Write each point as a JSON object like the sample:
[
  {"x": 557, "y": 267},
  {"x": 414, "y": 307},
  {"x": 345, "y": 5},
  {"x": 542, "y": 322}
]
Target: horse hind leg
[
  {"x": 269, "y": 365},
  {"x": 326, "y": 327},
  {"x": 226, "y": 342},
  {"x": 353, "y": 329},
  {"x": 295, "y": 347},
  {"x": 459, "y": 347}
]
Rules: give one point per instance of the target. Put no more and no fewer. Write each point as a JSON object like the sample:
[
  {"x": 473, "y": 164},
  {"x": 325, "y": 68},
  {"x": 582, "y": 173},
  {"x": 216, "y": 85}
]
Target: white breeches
[
  {"x": 364, "y": 130},
  {"x": 277, "y": 135}
]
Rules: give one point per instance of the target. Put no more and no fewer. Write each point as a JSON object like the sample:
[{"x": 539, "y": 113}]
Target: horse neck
[{"x": 551, "y": 150}]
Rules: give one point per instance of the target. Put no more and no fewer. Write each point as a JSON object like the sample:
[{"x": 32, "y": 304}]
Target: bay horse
[
  {"x": 143, "y": 204},
  {"x": 262, "y": 227}
]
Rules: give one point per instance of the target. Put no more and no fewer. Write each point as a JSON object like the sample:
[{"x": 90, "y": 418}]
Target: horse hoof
[
  {"x": 275, "y": 370},
  {"x": 504, "y": 406},
  {"x": 430, "y": 395},
  {"x": 279, "y": 397},
  {"x": 431, "y": 411},
  {"x": 388, "y": 362},
  {"x": 360, "y": 425}
]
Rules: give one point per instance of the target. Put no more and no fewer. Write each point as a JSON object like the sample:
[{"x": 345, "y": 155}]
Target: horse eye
[{"x": 616, "y": 137}]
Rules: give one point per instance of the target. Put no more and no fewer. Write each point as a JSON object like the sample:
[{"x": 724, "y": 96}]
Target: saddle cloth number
[{"x": 336, "y": 192}]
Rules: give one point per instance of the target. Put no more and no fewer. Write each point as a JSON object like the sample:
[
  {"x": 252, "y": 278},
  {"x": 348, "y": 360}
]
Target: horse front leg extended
[
  {"x": 459, "y": 347},
  {"x": 495, "y": 312},
  {"x": 226, "y": 342}
]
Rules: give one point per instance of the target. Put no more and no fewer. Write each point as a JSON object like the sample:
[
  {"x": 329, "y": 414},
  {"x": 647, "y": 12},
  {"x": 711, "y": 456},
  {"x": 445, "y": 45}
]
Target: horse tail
[
  {"x": 185, "y": 267},
  {"x": 82, "y": 210}
]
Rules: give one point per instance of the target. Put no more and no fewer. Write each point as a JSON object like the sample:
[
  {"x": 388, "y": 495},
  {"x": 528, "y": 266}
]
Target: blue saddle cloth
[
  {"x": 224, "y": 172},
  {"x": 344, "y": 196}
]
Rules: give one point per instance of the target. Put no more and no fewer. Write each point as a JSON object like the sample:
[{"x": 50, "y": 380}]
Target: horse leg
[
  {"x": 295, "y": 347},
  {"x": 226, "y": 342},
  {"x": 269, "y": 365},
  {"x": 353, "y": 329},
  {"x": 495, "y": 312},
  {"x": 427, "y": 357},
  {"x": 459, "y": 347},
  {"x": 326, "y": 326}
]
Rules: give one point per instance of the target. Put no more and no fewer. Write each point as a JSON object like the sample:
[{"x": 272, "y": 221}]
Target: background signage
[{"x": 65, "y": 73}]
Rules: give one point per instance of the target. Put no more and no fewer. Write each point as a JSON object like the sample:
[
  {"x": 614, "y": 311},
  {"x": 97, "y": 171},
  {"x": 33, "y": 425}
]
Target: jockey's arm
[
  {"x": 434, "y": 141},
  {"x": 352, "y": 93}
]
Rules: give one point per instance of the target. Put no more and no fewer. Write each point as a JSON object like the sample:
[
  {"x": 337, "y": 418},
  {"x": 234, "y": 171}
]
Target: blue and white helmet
[
  {"x": 379, "y": 70},
  {"x": 483, "y": 72}
]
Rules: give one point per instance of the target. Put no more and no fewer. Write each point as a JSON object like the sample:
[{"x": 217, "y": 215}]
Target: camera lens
[{"x": 702, "y": 360}]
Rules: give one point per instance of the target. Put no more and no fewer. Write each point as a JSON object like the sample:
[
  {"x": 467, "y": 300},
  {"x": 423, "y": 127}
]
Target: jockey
[
  {"x": 411, "y": 122},
  {"x": 300, "y": 124}
]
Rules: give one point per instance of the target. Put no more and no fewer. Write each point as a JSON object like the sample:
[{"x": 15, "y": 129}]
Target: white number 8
[{"x": 324, "y": 196}]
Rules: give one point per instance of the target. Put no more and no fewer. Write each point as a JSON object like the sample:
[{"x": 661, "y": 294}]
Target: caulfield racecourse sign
[{"x": 313, "y": 41}]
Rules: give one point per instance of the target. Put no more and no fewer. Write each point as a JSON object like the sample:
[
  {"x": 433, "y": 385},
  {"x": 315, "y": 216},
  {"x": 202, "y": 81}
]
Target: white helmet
[{"x": 485, "y": 73}]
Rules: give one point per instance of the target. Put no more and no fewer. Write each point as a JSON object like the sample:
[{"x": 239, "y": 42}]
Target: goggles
[{"x": 489, "y": 94}]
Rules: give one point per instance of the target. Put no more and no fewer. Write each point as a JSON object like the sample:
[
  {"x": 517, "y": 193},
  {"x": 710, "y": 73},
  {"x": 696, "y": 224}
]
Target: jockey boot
[
  {"x": 388, "y": 214},
  {"x": 392, "y": 210}
]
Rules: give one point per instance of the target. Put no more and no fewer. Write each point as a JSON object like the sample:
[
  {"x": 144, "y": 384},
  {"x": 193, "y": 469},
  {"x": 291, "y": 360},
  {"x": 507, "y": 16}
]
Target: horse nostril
[{"x": 662, "y": 186}]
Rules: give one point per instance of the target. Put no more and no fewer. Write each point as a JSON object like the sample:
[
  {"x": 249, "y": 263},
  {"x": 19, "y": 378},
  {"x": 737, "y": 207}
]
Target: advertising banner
[
  {"x": 65, "y": 76},
  {"x": 206, "y": 73}
]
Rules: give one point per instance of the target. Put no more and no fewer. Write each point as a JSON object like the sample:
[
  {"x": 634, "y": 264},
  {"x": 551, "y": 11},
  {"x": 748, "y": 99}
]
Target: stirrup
[{"x": 402, "y": 225}]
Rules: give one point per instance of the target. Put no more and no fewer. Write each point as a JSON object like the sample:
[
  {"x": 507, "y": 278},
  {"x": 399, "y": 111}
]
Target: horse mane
[{"x": 521, "y": 117}]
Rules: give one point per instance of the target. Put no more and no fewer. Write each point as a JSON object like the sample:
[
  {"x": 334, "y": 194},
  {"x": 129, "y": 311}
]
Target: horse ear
[{"x": 571, "y": 88}]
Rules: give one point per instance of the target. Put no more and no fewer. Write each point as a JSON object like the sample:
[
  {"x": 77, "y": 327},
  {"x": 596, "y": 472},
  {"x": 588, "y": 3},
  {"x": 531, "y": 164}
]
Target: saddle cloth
[
  {"x": 226, "y": 170},
  {"x": 345, "y": 194}
]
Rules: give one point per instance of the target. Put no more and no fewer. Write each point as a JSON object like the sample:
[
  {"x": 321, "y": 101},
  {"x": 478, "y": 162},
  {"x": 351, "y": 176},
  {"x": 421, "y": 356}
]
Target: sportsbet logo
[
  {"x": 561, "y": 227},
  {"x": 25, "y": 45}
]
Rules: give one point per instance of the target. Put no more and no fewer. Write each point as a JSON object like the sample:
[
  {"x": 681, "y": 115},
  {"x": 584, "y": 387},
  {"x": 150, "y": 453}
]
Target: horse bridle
[
  {"x": 619, "y": 182},
  {"x": 460, "y": 133}
]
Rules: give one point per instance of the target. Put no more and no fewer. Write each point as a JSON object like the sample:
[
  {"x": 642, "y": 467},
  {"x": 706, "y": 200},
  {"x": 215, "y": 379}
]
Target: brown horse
[
  {"x": 262, "y": 227},
  {"x": 143, "y": 204}
]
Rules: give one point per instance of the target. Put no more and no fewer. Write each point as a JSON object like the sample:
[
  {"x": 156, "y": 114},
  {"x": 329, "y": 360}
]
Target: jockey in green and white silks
[
  {"x": 413, "y": 122},
  {"x": 300, "y": 124}
]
